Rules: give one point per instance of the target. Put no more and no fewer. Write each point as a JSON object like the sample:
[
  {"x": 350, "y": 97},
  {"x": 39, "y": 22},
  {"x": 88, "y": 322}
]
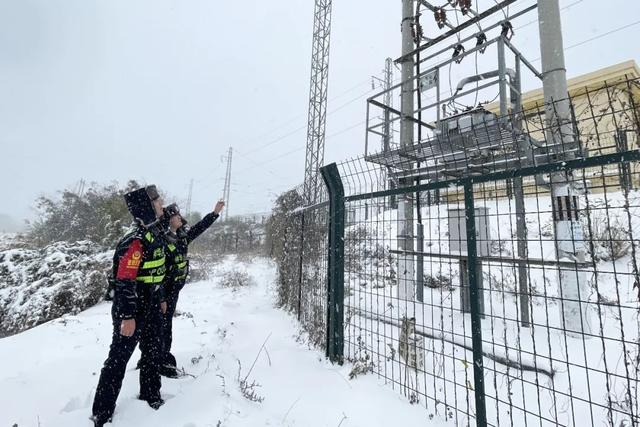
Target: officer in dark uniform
[
  {"x": 178, "y": 238},
  {"x": 138, "y": 273}
]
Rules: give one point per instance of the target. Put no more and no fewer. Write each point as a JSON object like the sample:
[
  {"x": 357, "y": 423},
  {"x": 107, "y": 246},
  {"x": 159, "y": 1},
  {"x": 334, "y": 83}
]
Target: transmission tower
[
  {"x": 188, "y": 207},
  {"x": 317, "y": 100},
  {"x": 227, "y": 184},
  {"x": 386, "y": 82},
  {"x": 80, "y": 188}
]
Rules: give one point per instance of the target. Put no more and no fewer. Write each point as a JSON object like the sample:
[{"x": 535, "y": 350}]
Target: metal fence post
[
  {"x": 476, "y": 321},
  {"x": 300, "y": 266},
  {"x": 335, "y": 273}
]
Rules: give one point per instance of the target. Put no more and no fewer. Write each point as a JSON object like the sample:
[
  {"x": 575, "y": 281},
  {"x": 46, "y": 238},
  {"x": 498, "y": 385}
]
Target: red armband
[{"x": 130, "y": 262}]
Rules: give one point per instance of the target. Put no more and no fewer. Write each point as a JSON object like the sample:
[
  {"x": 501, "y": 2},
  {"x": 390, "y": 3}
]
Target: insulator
[
  {"x": 481, "y": 40},
  {"x": 441, "y": 17},
  {"x": 457, "y": 51},
  {"x": 507, "y": 30},
  {"x": 465, "y": 6}
]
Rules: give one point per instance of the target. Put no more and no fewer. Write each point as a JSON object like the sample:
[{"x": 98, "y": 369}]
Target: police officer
[
  {"x": 179, "y": 238},
  {"x": 138, "y": 272}
]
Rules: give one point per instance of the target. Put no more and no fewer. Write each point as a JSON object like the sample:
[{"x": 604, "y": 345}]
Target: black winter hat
[
  {"x": 140, "y": 206},
  {"x": 172, "y": 210}
]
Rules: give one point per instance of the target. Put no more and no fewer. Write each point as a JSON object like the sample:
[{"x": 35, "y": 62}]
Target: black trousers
[
  {"x": 147, "y": 333},
  {"x": 172, "y": 292}
]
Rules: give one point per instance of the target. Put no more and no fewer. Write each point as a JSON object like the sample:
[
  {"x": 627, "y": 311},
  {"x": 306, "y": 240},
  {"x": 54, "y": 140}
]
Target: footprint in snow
[{"x": 76, "y": 404}]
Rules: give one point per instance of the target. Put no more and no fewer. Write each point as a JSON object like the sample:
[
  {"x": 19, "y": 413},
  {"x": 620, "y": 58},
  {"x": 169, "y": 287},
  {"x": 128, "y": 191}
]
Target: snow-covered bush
[
  {"x": 236, "y": 279},
  {"x": 368, "y": 260},
  {"x": 607, "y": 231},
  {"x": 361, "y": 360},
  {"x": 610, "y": 240},
  {"x": 300, "y": 291},
  {"x": 38, "y": 285},
  {"x": 231, "y": 236},
  {"x": 438, "y": 281},
  {"x": 202, "y": 266},
  {"x": 99, "y": 215},
  {"x": 283, "y": 230}
]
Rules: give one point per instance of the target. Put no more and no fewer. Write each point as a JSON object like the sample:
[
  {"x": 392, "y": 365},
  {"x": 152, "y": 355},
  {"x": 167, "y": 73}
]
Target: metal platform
[{"x": 472, "y": 143}]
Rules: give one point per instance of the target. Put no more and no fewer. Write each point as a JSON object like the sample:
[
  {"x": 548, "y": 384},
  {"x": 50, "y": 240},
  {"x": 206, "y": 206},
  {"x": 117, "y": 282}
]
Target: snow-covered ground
[
  {"x": 48, "y": 374},
  {"x": 590, "y": 375}
]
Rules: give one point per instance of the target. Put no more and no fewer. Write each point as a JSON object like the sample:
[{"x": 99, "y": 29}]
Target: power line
[
  {"x": 293, "y": 132},
  {"x": 303, "y": 127},
  {"x": 346, "y": 129},
  {"x": 536, "y": 21},
  {"x": 297, "y": 117},
  {"x": 608, "y": 33},
  {"x": 259, "y": 164},
  {"x": 288, "y": 153}
]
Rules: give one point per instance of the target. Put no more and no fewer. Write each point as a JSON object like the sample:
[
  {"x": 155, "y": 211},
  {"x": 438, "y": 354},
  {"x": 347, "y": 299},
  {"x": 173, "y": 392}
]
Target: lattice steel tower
[
  {"x": 188, "y": 207},
  {"x": 227, "y": 184},
  {"x": 317, "y": 100}
]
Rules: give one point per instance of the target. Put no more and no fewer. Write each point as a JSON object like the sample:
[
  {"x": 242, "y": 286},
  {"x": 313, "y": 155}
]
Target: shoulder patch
[{"x": 130, "y": 261}]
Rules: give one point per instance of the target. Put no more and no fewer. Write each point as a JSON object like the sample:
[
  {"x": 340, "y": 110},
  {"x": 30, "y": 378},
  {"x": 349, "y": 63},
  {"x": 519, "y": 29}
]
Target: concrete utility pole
[
  {"x": 568, "y": 232},
  {"x": 406, "y": 269},
  {"x": 227, "y": 184}
]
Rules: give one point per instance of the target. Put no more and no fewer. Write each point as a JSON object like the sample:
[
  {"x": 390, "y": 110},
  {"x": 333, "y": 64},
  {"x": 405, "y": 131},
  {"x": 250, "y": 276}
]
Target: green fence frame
[
  {"x": 337, "y": 199},
  {"x": 335, "y": 273}
]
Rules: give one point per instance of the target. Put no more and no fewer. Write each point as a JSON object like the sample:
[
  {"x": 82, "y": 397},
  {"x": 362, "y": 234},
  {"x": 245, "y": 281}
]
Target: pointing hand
[{"x": 219, "y": 206}]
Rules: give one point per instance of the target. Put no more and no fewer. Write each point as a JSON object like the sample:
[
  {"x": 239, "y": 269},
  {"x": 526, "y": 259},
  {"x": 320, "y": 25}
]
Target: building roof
[{"x": 578, "y": 85}]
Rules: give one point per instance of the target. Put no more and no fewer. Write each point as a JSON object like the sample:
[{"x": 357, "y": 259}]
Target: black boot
[
  {"x": 154, "y": 402},
  {"x": 170, "y": 359},
  {"x": 99, "y": 421},
  {"x": 169, "y": 371}
]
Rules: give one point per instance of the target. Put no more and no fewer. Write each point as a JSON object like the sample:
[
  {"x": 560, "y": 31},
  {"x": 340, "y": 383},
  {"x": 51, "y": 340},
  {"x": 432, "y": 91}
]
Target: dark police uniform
[
  {"x": 138, "y": 272},
  {"x": 177, "y": 271}
]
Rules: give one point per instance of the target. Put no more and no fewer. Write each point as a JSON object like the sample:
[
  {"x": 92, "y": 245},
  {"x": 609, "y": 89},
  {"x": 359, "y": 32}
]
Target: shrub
[
  {"x": 99, "y": 215},
  {"x": 236, "y": 279},
  {"x": 609, "y": 236}
]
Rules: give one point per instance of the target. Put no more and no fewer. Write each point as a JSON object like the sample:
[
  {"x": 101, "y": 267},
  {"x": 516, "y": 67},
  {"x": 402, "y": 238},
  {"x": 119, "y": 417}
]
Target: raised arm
[{"x": 205, "y": 222}]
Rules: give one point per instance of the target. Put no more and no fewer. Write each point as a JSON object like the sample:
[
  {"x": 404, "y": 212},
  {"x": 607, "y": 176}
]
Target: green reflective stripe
[
  {"x": 149, "y": 236},
  {"x": 182, "y": 264},
  {"x": 181, "y": 277},
  {"x": 150, "y": 279},
  {"x": 171, "y": 247},
  {"x": 153, "y": 264}
]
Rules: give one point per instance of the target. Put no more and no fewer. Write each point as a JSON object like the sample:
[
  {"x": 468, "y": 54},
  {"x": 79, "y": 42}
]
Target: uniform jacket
[
  {"x": 138, "y": 271},
  {"x": 177, "y": 262}
]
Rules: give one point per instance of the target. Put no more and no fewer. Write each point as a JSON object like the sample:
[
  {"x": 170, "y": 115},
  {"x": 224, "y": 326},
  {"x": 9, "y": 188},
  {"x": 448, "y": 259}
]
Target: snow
[
  {"x": 37, "y": 285},
  {"x": 579, "y": 365},
  {"x": 49, "y": 373}
]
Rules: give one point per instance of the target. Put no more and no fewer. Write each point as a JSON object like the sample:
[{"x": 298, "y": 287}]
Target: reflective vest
[
  {"x": 179, "y": 264},
  {"x": 152, "y": 269}
]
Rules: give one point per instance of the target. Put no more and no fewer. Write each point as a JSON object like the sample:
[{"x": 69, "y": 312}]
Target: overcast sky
[{"x": 157, "y": 90}]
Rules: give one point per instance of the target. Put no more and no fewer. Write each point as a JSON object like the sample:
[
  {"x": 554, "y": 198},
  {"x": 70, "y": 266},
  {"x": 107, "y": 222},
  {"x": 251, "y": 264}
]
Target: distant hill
[{"x": 9, "y": 225}]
